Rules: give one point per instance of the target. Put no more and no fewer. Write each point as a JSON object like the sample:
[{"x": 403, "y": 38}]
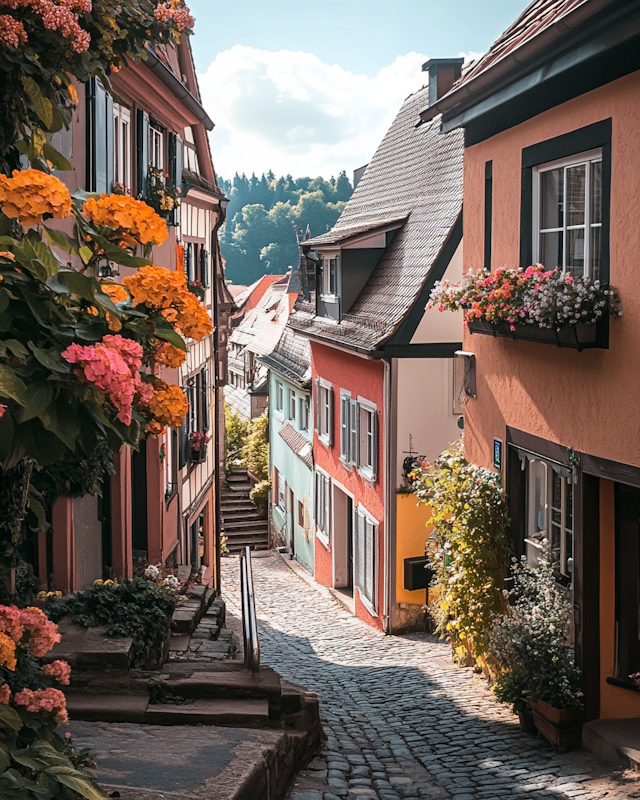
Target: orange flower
[
  {"x": 165, "y": 353},
  {"x": 7, "y": 652},
  {"x": 115, "y": 291},
  {"x": 5, "y": 694},
  {"x": 155, "y": 429},
  {"x": 156, "y": 287},
  {"x": 133, "y": 221},
  {"x": 193, "y": 318},
  {"x": 30, "y": 195},
  {"x": 73, "y": 94},
  {"x": 168, "y": 405}
]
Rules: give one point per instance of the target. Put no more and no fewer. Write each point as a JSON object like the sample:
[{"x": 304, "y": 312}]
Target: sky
[{"x": 311, "y": 88}]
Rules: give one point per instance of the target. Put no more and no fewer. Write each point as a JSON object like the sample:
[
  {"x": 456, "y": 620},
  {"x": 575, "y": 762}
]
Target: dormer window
[
  {"x": 329, "y": 274},
  {"x": 190, "y": 154}
]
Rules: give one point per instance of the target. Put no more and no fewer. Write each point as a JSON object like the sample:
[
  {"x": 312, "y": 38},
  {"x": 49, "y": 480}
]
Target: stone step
[
  {"x": 235, "y": 493},
  {"x": 228, "y": 686},
  {"x": 107, "y": 707},
  {"x": 238, "y": 549},
  {"x": 241, "y": 507},
  {"x": 238, "y": 543},
  {"x": 227, "y": 713},
  {"x": 249, "y": 525}
]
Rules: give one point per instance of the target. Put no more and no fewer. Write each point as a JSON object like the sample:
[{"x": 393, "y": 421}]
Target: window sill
[
  {"x": 367, "y": 474},
  {"x": 624, "y": 684},
  {"x": 323, "y": 439},
  {"x": 278, "y": 415},
  {"x": 345, "y": 464},
  {"x": 324, "y": 540},
  {"x": 367, "y": 604}
]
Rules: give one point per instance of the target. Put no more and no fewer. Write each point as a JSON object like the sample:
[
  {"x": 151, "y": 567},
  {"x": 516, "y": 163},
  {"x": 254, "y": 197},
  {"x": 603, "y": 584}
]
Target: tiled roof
[
  {"x": 537, "y": 17},
  {"x": 297, "y": 442},
  {"x": 416, "y": 173},
  {"x": 262, "y": 326},
  {"x": 291, "y": 358},
  {"x": 336, "y": 234}
]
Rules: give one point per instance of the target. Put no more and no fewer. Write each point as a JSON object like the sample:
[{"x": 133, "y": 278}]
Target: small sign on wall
[{"x": 497, "y": 454}]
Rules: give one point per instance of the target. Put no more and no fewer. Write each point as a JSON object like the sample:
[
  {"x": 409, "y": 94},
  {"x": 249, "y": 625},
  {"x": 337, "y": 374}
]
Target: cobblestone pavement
[{"x": 401, "y": 720}]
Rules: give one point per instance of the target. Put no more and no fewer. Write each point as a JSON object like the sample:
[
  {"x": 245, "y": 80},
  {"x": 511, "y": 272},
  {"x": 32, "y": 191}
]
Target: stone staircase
[{"x": 241, "y": 522}]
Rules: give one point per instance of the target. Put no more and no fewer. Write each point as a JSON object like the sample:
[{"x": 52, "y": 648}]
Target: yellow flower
[
  {"x": 30, "y": 195},
  {"x": 133, "y": 221},
  {"x": 7, "y": 652}
]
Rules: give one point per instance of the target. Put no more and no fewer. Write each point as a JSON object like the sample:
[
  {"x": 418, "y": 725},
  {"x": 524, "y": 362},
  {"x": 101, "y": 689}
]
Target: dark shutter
[
  {"x": 187, "y": 260},
  {"x": 204, "y": 266},
  {"x": 175, "y": 171},
  {"x": 205, "y": 398},
  {"x": 184, "y": 441},
  {"x": 99, "y": 138},
  {"x": 142, "y": 132}
]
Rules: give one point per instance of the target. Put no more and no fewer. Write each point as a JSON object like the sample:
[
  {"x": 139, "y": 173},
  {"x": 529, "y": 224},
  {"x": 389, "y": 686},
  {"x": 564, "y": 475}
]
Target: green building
[{"x": 291, "y": 446}]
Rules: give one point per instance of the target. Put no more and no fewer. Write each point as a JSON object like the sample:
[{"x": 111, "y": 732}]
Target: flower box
[
  {"x": 575, "y": 337},
  {"x": 560, "y": 726},
  {"x": 198, "y": 455}
]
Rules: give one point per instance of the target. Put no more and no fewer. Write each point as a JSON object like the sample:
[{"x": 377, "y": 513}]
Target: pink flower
[
  {"x": 5, "y": 694},
  {"x": 59, "y": 670},
  {"x": 2, "y": 410},
  {"x": 51, "y": 701}
]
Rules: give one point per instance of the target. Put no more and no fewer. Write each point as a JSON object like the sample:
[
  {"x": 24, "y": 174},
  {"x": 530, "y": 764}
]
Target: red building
[{"x": 382, "y": 366}]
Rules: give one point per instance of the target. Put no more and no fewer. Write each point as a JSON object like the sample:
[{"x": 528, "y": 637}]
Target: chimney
[{"x": 443, "y": 73}]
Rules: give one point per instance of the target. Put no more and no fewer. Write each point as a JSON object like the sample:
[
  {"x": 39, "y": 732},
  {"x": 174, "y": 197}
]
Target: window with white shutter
[
  {"x": 367, "y": 458},
  {"x": 323, "y": 505},
  {"x": 353, "y": 431},
  {"x": 345, "y": 404},
  {"x": 324, "y": 410},
  {"x": 366, "y": 530}
]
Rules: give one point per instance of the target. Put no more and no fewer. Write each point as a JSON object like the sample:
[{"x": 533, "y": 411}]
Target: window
[
  {"x": 366, "y": 537},
  {"x": 324, "y": 412},
  {"x": 190, "y": 154},
  {"x": 197, "y": 390},
  {"x": 323, "y": 505},
  {"x": 191, "y": 260},
  {"x": 156, "y": 146},
  {"x": 122, "y": 145},
  {"x": 359, "y": 434},
  {"x": 329, "y": 275},
  {"x": 292, "y": 405},
  {"x": 303, "y": 414},
  {"x": 170, "y": 463},
  {"x": 279, "y": 487},
  {"x": 279, "y": 397},
  {"x": 550, "y": 518},
  {"x": 568, "y": 214},
  {"x": 300, "y": 517}
]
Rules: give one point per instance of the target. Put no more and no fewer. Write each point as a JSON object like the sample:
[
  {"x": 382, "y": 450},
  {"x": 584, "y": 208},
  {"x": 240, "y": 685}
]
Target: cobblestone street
[{"x": 401, "y": 719}]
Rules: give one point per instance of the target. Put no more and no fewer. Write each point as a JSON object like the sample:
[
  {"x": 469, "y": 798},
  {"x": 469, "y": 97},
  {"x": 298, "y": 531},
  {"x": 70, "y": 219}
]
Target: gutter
[
  {"x": 538, "y": 46},
  {"x": 179, "y": 89},
  {"x": 386, "y": 489}
]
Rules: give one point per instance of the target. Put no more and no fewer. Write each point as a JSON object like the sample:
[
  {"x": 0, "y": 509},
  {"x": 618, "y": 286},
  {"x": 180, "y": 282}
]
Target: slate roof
[
  {"x": 297, "y": 442},
  {"x": 291, "y": 358},
  {"x": 262, "y": 326},
  {"x": 416, "y": 173}
]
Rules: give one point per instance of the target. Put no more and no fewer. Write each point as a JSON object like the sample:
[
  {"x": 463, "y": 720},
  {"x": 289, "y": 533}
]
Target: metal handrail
[{"x": 249, "y": 621}]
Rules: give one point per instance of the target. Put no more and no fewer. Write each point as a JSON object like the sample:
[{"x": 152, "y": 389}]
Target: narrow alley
[{"x": 401, "y": 719}]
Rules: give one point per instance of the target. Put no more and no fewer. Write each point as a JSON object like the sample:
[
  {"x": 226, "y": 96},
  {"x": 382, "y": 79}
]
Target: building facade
[{"x": 551, "y": 159}]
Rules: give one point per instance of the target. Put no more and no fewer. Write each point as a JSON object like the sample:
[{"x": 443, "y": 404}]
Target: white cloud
[{"x": 290, "y": 112}]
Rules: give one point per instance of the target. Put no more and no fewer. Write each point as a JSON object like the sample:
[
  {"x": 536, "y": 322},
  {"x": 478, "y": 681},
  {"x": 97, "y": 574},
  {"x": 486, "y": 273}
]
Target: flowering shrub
[
  {"x": 35, "y": 761},
  {"x": 529, "y": 644},
  {"x": 138, "y": 608},
  {"x": 47, "y": 44},
  {"x": 130, "y": 221},
  {"x": 469, "y": 549},
  {"x": 531, "y": 296},
  {"x": 168, "y": 404}
]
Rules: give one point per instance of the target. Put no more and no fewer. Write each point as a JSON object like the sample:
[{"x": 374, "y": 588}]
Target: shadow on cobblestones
[{"x": 401, "y": 719}]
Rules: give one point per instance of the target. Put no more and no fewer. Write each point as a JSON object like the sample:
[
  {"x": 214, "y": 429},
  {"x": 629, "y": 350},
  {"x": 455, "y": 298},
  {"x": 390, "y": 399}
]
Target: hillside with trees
[{"x": 259, "y": 237}]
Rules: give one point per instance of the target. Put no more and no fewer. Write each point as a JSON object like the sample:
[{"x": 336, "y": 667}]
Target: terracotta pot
[
  {"x": 560, "y": 726},
  {"x": 527, "y": 722}
]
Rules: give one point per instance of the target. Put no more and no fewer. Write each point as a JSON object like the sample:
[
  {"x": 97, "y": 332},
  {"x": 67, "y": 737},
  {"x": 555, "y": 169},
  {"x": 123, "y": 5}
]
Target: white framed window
[
  {"x": 324, "y": 411},
  {"x": 122, "y": 145},
  {"x": 292, "y": 405},
  {"x": 366, "y": 545},
  {"x": 189, "y": 150},
  {"x": 567, "y": 214},
  {"x": 359, "y": 434},
  {"x": 279, "y": 490},
  {"x": 300, "y": 514},
  {"x": 550, "y": 517},
  {"x": 303, "y": 413},
  {"x": 323, "y": 506},
  {"x": 171, "y": 452},
  {"x": 329, "y": 268},
  {"x": 156, "y": 146},
  {"x": 279, "y": 397}
]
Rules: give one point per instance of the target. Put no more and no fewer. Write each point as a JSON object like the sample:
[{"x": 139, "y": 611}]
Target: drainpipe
[{"x": 386, "y": 486}]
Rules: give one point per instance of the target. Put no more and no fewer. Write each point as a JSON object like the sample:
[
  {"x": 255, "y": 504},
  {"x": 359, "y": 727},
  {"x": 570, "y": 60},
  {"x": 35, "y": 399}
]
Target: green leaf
[
  {"x": 68, "y": 281},
  {"x": 57, "y": 159},
  {"x": 5, "y": 761},
  {"x": 85, "y": 254},
  {"x": 12, "y": 386},
  {"x": 40, "y": 444},
  {"x": 51, "y": 359},
  {"x": 16, "y": 347},
  {"x": 163, "y": 330},
  {"x": 61, "y": 420},
  {"x": 42, "y": 105},
  {"x": 77, "y": 782},
  {"x": 117, "y": 254},
  {"x": 61, "y": 240},
  {"x": 6, "y": 224},
  {"x": 6, "y": 435},
  {"x": 4, "y": 300},
  {"x": 40, "y": 395},
  {"x": 9, "y": 717}
]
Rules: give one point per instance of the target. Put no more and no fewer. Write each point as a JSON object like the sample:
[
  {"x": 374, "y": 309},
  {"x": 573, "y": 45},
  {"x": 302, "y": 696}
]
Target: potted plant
[
  {"x": 196, "y": 287},
  {"x": 533, "y": 659},
  {"x": 198, "y": 441},
  {"x": 162, "y": 195}
]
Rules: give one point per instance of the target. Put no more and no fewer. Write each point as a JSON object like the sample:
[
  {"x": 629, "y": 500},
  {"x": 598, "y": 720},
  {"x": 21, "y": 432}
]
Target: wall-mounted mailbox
[{"x": 417, "y": 573}]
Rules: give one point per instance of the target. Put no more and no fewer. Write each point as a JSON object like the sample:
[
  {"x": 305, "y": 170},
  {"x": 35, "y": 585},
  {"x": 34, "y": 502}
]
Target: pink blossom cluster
[
  {"x": 49, "y": 700},
  {"x": 112, "y": 366},
  {"x": 57, "y": 15},
  {"x": 41, "y": 633},
  {"x": 178, "y": 13},
  {"x": 12, "y": 31},
  {"x": 5, "y": 694},
  {"x": 59, "y": 671}
]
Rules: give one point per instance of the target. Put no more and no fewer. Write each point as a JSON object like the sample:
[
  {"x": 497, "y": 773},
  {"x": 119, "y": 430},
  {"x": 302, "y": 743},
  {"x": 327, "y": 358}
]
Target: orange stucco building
[{"x": 552, "y": 153}]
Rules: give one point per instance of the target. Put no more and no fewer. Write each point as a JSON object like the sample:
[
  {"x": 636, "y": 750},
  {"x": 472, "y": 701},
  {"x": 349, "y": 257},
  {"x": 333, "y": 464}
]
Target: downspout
[{"x": 386, "y": 487}]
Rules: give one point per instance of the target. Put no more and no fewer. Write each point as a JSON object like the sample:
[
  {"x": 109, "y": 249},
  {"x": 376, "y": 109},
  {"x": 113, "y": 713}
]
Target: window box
[
  {"x": 198, "y": 455},
  {"x": 575, "y": 337}
]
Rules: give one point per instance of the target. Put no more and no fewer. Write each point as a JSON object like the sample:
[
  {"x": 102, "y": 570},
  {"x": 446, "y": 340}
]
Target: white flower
[{"x": 151, "y": 573}]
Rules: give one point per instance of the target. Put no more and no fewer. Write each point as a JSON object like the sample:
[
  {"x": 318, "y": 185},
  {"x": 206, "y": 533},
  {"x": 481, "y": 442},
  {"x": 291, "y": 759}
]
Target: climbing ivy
[{"x": 469, "y": 547}]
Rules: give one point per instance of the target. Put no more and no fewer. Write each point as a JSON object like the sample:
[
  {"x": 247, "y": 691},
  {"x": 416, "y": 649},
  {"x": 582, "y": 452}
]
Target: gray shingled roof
[
  {"x": 416, "y": 173},
  {"x": 297, "y": 442},
  {"x": 291, "y": 358}
]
